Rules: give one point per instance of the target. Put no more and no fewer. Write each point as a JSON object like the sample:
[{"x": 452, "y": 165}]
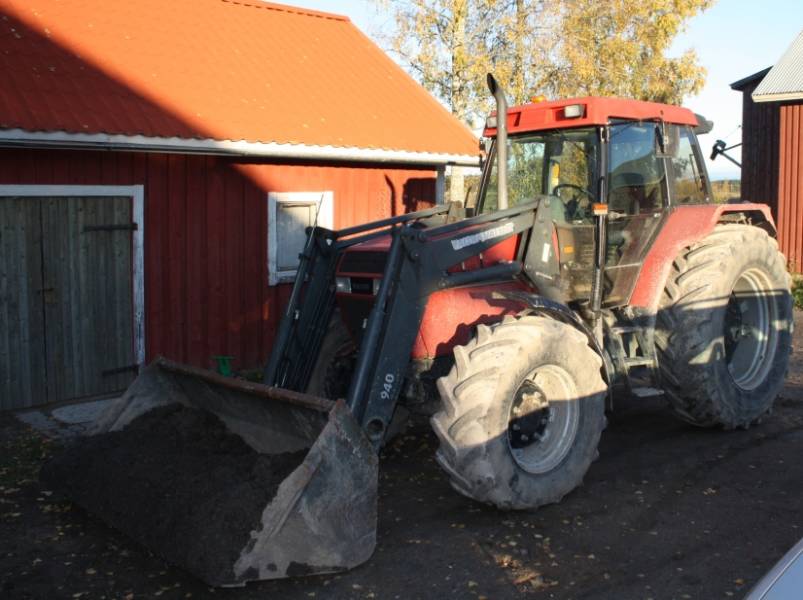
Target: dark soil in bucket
[{"x": 178, "y": 482}]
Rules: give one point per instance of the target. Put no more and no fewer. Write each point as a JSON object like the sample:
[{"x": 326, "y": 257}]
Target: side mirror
[{"x": 717, "y": 149}]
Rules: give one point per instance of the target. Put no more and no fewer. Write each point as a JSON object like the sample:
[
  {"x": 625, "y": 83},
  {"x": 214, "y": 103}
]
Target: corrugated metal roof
[
  {"x": 220, "y": 70},
  {"x": 785, "y": 80}
]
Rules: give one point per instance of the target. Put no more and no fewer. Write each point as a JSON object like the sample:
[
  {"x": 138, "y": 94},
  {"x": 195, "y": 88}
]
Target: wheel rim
[
  {"x": 749, "y": 334},
  {"x": 543, "y": 419}
]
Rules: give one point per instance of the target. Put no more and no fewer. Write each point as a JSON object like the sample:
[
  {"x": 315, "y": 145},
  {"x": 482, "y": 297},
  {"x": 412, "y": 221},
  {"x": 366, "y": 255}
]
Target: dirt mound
[{"x": 178, "y": 482}]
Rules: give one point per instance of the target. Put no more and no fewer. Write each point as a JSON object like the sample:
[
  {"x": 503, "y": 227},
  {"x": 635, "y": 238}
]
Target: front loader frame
[{"x": 418, "y": 263}]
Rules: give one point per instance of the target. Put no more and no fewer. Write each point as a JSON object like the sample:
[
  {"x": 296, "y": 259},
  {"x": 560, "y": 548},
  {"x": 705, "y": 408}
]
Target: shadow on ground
[{"x": 668, "y": 511}]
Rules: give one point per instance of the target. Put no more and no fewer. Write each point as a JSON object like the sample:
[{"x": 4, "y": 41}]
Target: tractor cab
[{"x": 631, "y": 161}]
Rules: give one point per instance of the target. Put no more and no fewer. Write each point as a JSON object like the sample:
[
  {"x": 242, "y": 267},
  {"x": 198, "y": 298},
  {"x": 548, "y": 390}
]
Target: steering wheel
[{"x": 573, "y": 209}]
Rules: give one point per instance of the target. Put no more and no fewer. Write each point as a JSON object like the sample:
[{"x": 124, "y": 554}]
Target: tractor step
[
  {"x": 625, "y": 329},
  {"x": 646, "y": 392},
  {"x": 639, "y": 361}
]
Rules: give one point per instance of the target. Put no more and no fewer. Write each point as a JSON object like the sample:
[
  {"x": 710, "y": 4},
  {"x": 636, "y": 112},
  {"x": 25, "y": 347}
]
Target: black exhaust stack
[{"x": 501, "y": 141}]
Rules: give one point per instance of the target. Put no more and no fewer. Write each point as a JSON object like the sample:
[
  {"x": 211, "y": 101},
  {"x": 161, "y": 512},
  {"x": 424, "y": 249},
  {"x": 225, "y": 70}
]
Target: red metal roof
[
  {"x": 212, "y": 69},
  {"x": 595, "y": 111}
]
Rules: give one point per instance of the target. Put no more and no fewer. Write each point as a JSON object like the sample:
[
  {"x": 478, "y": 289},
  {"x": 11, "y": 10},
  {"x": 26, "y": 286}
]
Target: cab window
[
  {"x": 688, "y": 184},
  {"x": 560, "y": 163},
  {"x": 637, "y": 197},
  {"x": 637, "y": 181}
]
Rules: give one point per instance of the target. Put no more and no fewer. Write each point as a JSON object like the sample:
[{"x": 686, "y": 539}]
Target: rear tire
[
  {"x": 724, "y": 328},
  {"x": 525, "y": 379}
]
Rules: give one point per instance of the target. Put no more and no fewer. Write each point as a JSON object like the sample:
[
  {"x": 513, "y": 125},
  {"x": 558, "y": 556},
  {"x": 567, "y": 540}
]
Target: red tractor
[{"x": 594, "y": 264}]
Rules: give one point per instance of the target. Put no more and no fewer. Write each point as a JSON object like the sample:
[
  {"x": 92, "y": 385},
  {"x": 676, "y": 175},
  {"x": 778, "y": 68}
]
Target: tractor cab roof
[{"x": 588, "y": 111}]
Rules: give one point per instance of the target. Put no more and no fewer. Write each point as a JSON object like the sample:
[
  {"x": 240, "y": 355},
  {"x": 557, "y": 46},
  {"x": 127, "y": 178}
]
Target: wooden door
[
  {"x": 88, "y": 299},
  {"x": 22, "y": 319},
  {"x": 78, "y": 331}
]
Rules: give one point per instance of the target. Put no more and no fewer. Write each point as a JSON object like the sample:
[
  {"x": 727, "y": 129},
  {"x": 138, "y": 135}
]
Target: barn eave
[{"x": 139, "y": 143}]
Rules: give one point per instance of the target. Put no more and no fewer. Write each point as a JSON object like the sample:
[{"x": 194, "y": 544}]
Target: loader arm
[{"x": 418, "y": 261}]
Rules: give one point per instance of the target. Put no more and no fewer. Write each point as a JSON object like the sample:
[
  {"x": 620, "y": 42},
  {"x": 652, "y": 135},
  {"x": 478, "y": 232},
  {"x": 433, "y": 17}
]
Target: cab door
[{"x": 638, "y": 201}]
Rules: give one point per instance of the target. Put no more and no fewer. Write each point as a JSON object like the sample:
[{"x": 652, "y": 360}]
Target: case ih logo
[{"x": 482, "y": 236}]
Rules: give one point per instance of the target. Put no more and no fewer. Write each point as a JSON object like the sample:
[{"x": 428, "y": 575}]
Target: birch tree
[
  {"x": 437, "y": 42},
  {"x": 618, "y": 48},
  {"x": 559, "y": 48}
]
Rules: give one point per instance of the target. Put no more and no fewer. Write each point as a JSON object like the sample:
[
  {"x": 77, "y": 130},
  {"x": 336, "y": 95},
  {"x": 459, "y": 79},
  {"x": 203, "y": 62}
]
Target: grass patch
[
  {"x": 21, "y": 456},
  {"x": 797, "y": 290}
]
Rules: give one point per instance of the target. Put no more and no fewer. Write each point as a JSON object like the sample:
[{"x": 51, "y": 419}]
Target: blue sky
[{"x": 733, "y": 39}]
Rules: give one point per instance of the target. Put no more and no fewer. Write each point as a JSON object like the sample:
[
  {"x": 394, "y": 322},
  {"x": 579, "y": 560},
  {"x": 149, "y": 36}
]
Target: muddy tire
[
  {"x": 334, "y": 368},
  {"x": 522, "y": 413},
  {"x": 724, "y": 328},
  {"x": 332, "y": 372}
]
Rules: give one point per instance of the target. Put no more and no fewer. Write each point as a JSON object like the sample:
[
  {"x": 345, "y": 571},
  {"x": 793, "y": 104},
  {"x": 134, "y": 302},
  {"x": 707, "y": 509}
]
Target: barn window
[{"x": 289, "y": 214}]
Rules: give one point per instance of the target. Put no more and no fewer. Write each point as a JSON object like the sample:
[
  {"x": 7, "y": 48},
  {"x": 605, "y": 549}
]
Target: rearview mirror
[
  {"x": 554, "y": 148},
  {"x": 667, "y": 140}
]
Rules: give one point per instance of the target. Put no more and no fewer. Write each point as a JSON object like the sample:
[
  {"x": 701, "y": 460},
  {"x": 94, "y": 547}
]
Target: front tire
[
  {"x": 724, "y": 328},
  {"x": 522, "y": 413},
  {"x": 334, "y": 366}
]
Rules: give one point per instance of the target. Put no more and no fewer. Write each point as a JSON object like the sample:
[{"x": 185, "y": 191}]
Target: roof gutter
[
  {"x": 138, "y": 143},
  {"x": 781, "y": 97}
]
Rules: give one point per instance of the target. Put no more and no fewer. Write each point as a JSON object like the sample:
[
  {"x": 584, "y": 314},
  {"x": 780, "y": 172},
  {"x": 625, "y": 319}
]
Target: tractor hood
[{"x": 366, "y": 259}]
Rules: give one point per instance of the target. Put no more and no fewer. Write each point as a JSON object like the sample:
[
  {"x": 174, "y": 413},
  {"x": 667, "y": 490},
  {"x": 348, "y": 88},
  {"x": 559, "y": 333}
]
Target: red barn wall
[
  {"x": 206, "y": 280},
  {"x": 790, "y": 185},
  {"x": 772, "y": 166}
]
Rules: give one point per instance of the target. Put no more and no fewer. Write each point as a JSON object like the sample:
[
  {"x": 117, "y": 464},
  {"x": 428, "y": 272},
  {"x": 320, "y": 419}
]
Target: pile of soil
[{"x": 177, "y": 481}]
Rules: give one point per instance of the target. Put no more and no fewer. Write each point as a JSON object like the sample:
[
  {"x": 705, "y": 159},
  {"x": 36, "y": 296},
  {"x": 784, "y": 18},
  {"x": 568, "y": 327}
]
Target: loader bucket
[{"x": 230, "y": 480}]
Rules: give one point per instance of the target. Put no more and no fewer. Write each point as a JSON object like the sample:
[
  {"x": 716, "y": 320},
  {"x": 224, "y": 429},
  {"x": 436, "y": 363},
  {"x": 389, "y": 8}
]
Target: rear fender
[{"x": 685, "y": 226}]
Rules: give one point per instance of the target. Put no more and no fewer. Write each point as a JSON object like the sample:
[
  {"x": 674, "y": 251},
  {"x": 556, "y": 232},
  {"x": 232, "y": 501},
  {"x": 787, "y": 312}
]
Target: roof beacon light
[
  {"x": 574, "y": 111},
  {"x": 538, "y": 98}
]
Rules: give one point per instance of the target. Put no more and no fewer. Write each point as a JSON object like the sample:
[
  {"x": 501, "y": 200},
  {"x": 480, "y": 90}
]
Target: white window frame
[
  {"x": 325, "y": 203},
  {"x": 137, "y": 195}
]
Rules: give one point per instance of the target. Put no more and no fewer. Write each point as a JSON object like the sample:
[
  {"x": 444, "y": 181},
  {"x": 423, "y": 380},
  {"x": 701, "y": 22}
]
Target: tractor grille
[{"x": 363, "y": 262}]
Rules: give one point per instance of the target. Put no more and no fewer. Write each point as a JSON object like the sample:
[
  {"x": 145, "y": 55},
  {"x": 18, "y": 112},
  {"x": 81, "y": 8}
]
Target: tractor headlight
[
  {"x": 343, "y": 284},
  {"x": 574, "y": 111}
]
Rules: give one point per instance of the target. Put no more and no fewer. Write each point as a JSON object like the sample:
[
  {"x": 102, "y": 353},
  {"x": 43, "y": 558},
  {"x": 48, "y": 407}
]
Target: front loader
[{"x": 593, "y": 265}]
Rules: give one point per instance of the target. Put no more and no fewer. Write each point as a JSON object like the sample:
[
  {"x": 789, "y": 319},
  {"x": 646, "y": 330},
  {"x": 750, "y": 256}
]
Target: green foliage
[
  {"x": 560, "y": 48},
  {"x": 726, "y": 189},
  {"x": 619, "y": 48},
  {"x": 797, "y": 290}
]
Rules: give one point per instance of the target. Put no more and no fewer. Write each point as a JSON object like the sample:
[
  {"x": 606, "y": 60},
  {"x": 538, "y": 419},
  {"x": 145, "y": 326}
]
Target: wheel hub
[
  {"x": 748, "y": 330},
  {"x": 530, "y": 416},
  {"x": 543, "y": 419}
]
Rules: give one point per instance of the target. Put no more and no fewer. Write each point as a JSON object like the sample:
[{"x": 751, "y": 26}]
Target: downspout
[{"x": 501, "y": 142}]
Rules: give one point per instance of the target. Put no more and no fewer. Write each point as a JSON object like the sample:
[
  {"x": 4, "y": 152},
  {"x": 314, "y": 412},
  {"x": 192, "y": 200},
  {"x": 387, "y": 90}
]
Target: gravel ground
[{"x": 668, "y": 511}]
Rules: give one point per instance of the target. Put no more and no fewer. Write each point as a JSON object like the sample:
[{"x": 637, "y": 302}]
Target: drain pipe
[{"x": 501, "y": 142}]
